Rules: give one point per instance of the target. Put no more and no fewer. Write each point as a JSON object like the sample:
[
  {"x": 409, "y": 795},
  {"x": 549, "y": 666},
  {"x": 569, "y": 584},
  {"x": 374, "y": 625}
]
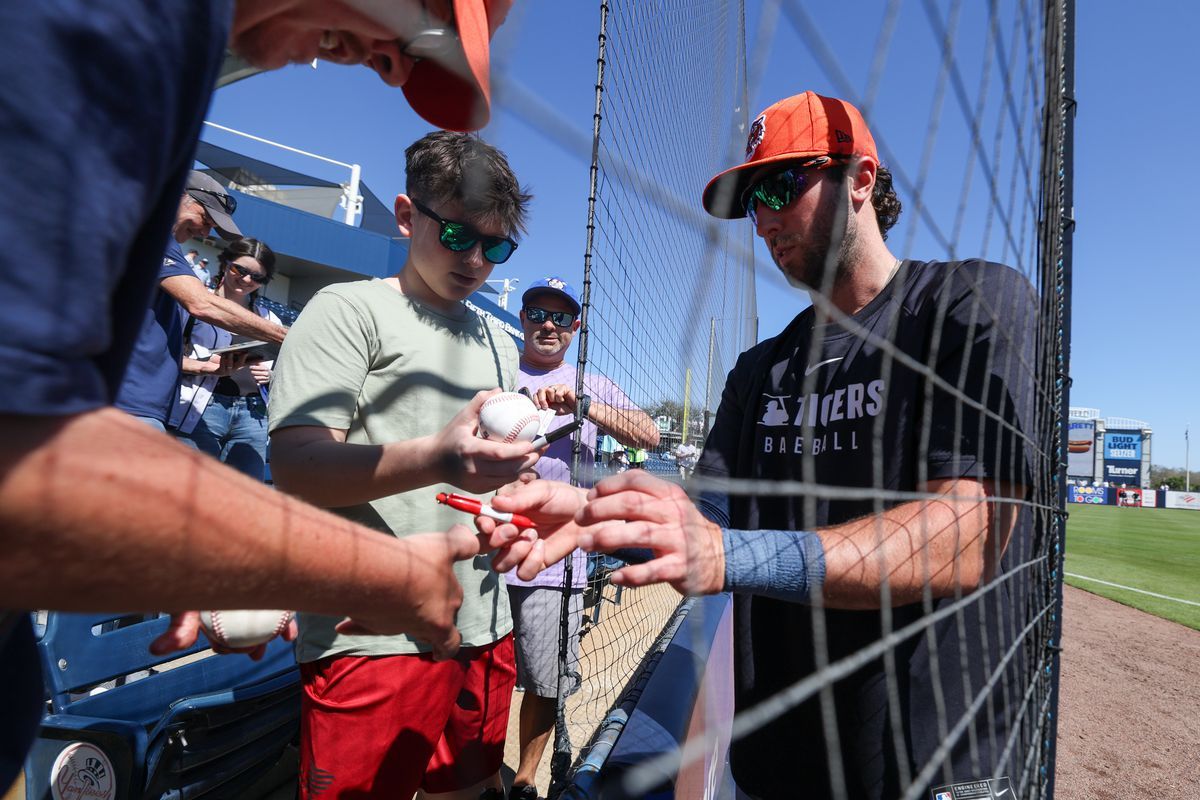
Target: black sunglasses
[
  {"x": 261, "y": 278},
  {"x": 460, "y": 237},
  {"x": 227, "y": 202},
  {"x": 537, "y": 316}
]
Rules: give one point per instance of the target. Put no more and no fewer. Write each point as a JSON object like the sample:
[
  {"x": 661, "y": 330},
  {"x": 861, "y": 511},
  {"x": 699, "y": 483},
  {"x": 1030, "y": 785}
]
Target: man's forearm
[
  {"x": 99, "y": 512},
  {"x": 333, "y": 474},
  {"x": 234, "y": 318},
  {"x": 631, "y": 427},
  {"x": 941, "y": 544}
]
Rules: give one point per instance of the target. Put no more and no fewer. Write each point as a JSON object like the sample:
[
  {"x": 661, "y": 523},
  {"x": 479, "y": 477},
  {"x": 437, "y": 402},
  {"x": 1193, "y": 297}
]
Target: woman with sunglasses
[{"x": 222, "y": 404}]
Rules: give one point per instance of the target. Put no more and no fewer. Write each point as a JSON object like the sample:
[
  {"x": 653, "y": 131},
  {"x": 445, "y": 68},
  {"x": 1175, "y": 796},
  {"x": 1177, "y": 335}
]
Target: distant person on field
[
  {"x": 222, "y": 404},
  {"x": 549, "y": 319},
  {"x": 374, "y": 411},
  {"x": 103, "y": 104},
  {"x": 854, "y": 418}
]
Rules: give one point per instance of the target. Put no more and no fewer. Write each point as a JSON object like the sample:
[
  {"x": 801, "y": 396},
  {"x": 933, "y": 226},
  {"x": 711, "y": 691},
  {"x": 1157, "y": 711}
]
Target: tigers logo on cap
[{"x": 758, "y": 130}]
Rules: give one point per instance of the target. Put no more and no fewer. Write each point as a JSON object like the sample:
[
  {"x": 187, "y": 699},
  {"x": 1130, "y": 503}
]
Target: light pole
[
  {"x": 507, "y": 285},
  {"x": 1187, "y": 464}
]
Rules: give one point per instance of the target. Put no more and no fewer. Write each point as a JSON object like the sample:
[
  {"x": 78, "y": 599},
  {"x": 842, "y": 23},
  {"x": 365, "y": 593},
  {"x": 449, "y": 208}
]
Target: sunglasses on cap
[
  {"x": 460, "y": 237},
  {"x": 227, "y": 202},
  {"x": 261, "y": 278},
  {"x": 537, "y": 316},
  {"x": 778, "y": 190}
]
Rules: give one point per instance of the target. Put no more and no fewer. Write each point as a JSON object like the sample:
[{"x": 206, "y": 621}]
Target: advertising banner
[
  {"x": 1081, "y": 448},
  {"x": 1149, "y": 498},
  {"x": 1123, "y": 445},
  {"x": 1183, "y": 500},
  {"x": 1094, "y": 495},
  {"x": 1129, "y": 498},
  {"x": 1118, "y": 471}
]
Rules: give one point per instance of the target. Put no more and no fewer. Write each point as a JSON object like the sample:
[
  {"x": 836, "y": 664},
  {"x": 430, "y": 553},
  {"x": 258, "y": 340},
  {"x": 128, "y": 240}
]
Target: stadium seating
[{"x": 202, "y": 727}]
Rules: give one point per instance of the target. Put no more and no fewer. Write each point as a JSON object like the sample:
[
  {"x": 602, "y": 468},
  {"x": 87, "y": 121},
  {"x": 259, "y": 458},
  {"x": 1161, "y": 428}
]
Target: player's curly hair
[
  {"x": 445, "y": 166},
  {"x": 884, "y": 199}
]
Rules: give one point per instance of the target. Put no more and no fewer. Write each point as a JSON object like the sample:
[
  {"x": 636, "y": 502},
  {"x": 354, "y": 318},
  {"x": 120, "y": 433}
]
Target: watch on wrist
[{"x": 585, "y": 403}]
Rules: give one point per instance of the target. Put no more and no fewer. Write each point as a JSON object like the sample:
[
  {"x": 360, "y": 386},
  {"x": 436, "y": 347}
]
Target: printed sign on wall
[
  {"x": 1118, "y": 471},
  {"x": 1094, "y": 495},
  {"x": 1081, "y": 448},
  {"x": 1125, "y": 445},
  {"x": 1183, "y": 500}
]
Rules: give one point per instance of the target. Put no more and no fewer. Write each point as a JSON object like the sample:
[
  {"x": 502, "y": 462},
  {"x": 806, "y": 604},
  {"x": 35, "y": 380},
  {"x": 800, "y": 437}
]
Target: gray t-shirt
[{"x": 366, "y": 359}]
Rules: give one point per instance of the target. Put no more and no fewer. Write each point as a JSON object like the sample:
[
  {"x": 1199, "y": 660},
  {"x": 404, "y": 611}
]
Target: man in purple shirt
[{"x": 550, "y": 318}]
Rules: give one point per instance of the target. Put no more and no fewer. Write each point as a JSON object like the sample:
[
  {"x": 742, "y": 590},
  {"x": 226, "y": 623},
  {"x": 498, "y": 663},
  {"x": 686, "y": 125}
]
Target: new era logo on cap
[{"x": 843, "y": 137}]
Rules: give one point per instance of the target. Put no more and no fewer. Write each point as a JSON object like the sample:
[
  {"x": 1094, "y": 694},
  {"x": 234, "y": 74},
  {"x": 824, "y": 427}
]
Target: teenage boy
[{"x": 374, "y": 410}]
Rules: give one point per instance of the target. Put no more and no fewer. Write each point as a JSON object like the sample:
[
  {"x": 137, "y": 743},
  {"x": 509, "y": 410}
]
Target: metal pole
[
  {"x": 352, "y": 193},
  {"x": 712, "y": 332},
  {"x": 1187, "y": 460}
]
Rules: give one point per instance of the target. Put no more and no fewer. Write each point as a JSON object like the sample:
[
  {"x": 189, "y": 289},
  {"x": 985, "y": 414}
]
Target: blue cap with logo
[{"x": 553, "y": 285}]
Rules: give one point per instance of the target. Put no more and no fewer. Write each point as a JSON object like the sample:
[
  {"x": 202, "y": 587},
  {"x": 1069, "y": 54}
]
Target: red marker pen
[{"x": 473, "y": 506}]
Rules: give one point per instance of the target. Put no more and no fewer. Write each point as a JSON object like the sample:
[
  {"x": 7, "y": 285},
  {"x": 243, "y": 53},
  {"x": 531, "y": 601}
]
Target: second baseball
[
  {"x": 239, "y": 629},
  {"x": 509, "y": 417}
]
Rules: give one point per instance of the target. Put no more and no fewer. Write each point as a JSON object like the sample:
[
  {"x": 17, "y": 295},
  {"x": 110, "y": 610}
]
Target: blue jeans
[{"x": 234, "y": 430}]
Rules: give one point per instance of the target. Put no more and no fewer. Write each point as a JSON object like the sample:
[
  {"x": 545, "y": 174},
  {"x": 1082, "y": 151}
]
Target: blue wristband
[{"x": 785, "y": 565}]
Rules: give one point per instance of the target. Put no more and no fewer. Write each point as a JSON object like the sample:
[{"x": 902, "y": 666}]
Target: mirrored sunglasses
[
  {"x": 227, "y": 202},
  {"x": 460, "y": 237}
]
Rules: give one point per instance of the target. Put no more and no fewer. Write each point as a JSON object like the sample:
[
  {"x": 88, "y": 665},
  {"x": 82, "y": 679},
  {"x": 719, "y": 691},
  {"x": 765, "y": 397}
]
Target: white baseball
[
  {"x": 509, "y": 417},
  {"x": 239, "y": 629}
]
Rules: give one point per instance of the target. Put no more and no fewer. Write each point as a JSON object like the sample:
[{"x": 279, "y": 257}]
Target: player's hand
[
  {"x": 261, "y": 372},
  {"x": 428, "y": 593},
  {"x": 184, "y": 630},
  {"x": 635, "y": 510},
  {"x": 558, "y": 396},
  {"x": 478, "y": 465},
  {"x": 552, "y": 505}
]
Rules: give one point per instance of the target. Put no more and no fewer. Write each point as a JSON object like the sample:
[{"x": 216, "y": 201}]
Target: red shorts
[{"x": 388, "y": 726}]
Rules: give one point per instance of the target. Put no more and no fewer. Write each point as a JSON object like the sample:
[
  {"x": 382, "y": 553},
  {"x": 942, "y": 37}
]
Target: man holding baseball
[
  {"x": 906, "y": 390},
  {"x": 549, "y": 319},
  {"x": 374, "y": 411},
  {"x": 101, "y": 109}
]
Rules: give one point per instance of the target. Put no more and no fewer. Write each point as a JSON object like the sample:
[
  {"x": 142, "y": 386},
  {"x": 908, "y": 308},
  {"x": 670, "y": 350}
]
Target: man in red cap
[
  {"x": 896, "y": 406},
  {"x": 102, "y": 106}
]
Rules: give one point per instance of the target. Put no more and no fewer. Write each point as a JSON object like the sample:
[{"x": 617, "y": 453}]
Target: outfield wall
[{"x": 1132, "y": 497}]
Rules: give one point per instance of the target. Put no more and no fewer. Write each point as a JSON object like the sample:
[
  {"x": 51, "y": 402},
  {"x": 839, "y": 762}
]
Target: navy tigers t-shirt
[
  {"x": 152, "y": 376},
  {"x": 99, "y": 118},
  {"x": 839, "y": 407}
]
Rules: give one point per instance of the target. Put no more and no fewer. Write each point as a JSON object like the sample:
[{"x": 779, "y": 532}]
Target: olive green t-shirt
[{"x": 368, "y": 360}]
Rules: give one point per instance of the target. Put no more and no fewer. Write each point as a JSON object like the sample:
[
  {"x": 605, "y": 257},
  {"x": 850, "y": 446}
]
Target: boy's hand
[
  {"x": 478, "y": 465},
  {"x": 185, "y": 629}
]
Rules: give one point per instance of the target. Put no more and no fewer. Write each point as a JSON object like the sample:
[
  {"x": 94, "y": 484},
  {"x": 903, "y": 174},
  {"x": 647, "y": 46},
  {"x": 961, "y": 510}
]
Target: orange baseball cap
[
  {"x": 802, "y": 128},
  {"x": 450, "y": 86}
]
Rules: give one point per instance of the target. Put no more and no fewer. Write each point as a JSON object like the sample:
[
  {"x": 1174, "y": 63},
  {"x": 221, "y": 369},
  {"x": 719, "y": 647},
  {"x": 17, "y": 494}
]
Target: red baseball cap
[
  {"x": 803, "y": 128},
  {"x": 450, "y": 85}
]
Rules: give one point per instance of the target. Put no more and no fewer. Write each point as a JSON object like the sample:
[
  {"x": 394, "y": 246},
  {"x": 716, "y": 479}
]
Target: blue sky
[{"x": 1134, "y": 288}]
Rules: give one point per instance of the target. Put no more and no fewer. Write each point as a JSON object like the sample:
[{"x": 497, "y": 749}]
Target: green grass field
[{"x": 1155, "y": 550}]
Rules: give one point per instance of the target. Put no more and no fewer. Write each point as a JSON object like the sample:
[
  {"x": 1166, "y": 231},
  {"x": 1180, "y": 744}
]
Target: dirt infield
[{"x": 1129, "y": 714}]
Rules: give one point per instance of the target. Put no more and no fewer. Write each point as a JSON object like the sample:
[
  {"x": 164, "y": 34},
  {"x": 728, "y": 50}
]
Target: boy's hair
[{"x": 444, "y": 166}]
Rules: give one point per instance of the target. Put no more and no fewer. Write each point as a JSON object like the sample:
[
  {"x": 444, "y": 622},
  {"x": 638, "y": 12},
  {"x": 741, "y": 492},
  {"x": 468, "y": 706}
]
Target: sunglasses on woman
[
  {"x": 537, "y": 316},
  {"x": 261, "y": 278},
  {"x": 460, "y": 237},
  {"x": 778, "y": 190}
]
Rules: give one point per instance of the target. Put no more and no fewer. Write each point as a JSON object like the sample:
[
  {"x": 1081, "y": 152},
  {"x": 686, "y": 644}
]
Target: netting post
[
  {"x": 561, "y": 758},
  {"x": 1066, "y": 225}
]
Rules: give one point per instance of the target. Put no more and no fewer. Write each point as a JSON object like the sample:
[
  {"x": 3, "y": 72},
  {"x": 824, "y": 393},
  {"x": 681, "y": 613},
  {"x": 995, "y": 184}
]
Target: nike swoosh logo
[{"x": 813, "y": 367}]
